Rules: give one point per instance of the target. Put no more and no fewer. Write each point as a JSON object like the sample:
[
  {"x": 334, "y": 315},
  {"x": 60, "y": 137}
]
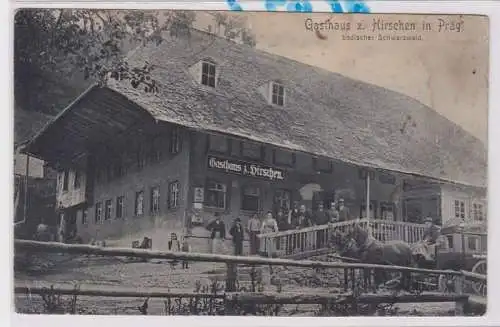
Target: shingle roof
[{"x": 325, "y": 113}]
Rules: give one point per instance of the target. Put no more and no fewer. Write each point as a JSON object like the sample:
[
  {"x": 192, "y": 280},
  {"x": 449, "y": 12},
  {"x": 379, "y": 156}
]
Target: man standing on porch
[
  {"x": 217, "y": 234},
  {"x": 344, "y": 213},
  {"x": 253, "y": 232}
]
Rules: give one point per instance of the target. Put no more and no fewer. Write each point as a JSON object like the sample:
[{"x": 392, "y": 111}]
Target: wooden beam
[
  {"x": 301, "y": 298},
  {"x": 54, "y": 247}
]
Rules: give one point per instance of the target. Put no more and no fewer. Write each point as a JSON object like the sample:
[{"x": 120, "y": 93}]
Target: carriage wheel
[{"x": 479, "y": 286}]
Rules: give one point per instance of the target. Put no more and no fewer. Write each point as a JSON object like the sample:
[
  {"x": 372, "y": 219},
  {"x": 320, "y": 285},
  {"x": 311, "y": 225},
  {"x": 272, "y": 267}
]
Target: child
[
  {"x": 185, "y": 248},
  {"x": 175, "y": 246}
]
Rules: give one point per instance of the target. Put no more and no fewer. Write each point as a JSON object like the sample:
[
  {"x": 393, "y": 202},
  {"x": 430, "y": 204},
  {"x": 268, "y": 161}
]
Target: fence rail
[
  {"x": 299, "y": 241},
  {"x": 352, "y": 275}
]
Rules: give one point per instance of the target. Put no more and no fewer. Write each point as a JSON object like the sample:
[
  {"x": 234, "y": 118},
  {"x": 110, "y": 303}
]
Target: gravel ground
[{"x": 160, "y": 274}]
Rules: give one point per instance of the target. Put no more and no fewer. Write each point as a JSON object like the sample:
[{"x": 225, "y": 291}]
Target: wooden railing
[
  {"x": 353, "y": 284},
  {"x": 313, "y": 239}
]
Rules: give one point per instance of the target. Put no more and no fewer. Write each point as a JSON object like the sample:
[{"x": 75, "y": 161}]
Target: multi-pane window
[
  {"x": 98, "y": 212},
  {"x": 283, "y": 158},
  {"x": 173, "y": 195},
  {"x": 77, "y": 180},
  {"x": 472, "y": 243},
  {"x": 459, "y": 209},
  {"x": 175, "y": 140},
  {"x": 208, "y": 74},
  {"x": 141, "y": 158},
  {"x": 282, "y": 199},
  {"x": 119, "y": 206},
  {"x": 216, "y": 194},
  {"x": 251, "y": 150},
  {"x": 85, "y": 214},
  {"x": 478, "y": 211},
  {"x": 139, "y": 203},
  {"x": 218, "y": 143},
  {"x": 65, "y": 177},
  {"x": 107, "y": 209},
  {"x": 277, "y": 93},
  {"x": 323, "y": 165},
  {"x": 387, "y": 210},
  {"x": 250, "y": 198},
  {"x": 155, "y": 200}
]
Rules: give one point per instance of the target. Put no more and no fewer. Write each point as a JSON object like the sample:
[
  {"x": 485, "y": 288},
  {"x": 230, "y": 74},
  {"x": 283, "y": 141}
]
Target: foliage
[{"x": 61, "y": 51}]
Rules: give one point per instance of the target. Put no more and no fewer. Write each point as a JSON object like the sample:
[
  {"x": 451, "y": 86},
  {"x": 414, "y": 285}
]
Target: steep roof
[{"x": 325, "y": 114}]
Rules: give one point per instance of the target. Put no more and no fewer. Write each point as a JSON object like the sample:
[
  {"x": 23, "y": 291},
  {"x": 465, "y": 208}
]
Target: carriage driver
[
  {"x": 431, "y": 232},
  {"x": 427, "y": 247}
]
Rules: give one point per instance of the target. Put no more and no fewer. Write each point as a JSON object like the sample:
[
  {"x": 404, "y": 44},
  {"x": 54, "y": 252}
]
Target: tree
[{"x": 58, "y": 53}]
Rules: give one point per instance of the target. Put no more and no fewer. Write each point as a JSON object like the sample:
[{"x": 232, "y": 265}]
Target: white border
[{"x": 490, "y": 8}]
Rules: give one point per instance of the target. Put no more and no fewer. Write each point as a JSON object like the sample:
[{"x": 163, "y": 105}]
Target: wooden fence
[{"x": 354, "y": 290}]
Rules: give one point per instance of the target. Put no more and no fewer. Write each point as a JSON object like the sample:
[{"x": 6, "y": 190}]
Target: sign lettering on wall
[{"x": 246, "y": 169}]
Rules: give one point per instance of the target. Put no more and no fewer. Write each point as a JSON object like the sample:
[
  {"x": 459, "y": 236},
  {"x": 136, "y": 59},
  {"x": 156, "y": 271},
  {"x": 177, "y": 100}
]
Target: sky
[{"x": 446, "y": 69}]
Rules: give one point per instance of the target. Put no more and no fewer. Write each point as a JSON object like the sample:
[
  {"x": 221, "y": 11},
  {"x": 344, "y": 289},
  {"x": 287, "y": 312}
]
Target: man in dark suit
[
  {"x": 238, "y": 235},
  {"x": 217, "y": 230}
]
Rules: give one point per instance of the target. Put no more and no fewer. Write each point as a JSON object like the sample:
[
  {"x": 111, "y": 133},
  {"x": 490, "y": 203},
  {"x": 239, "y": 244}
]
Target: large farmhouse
[{"x": 237, "y": 131}]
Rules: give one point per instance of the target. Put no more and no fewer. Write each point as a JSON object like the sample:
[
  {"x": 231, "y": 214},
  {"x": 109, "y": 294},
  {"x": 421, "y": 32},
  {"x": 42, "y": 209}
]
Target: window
[
  {"x": 459, "y": 209},
  {"x": 141, "y": 159},
  {"x": 472, "y": 243},
  {"x": 413, "y": 210},
  {"x": 107, "y": 210},
  {"x": 252, "y": 150},
  {"x": 98, "y": 212},
  {"x": 218, "y": 143},
  {"x": 478, "y": 212},
  {"x": 250, "y": 200},
  {"x": 77, "y": 180},
  {"x": 323, "y": 165},
  {"x": 139, "y": 203},
  {"x": 85, "y": 214},
  {"x": 65, "y": 180},
  {"x": 155, "y": 200},
  {"x": 277, "y": 94},
  {"x": 208, "y": 74},
  {"x": 175, "y": 140},
  {"x": 387, "y": 179},
  {"x": 119, "y": 206},
  {"x": 283, "y": 158},
  {"x": 156, "y": 149},
  {"x": 387, "y": 211},
  {"x": 173, "y": 195},
  {"x": 450, "y": 241},
  {"x": 216, "y": 195},
  {"x": 282, "y": 199}
]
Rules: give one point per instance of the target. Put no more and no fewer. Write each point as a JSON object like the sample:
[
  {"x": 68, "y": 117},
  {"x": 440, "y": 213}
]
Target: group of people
[{"x": 295, "y": 218}]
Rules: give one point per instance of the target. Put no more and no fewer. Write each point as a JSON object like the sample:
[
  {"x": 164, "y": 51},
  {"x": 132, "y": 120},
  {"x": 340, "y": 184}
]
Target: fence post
[{"x": 232, "y": 275}]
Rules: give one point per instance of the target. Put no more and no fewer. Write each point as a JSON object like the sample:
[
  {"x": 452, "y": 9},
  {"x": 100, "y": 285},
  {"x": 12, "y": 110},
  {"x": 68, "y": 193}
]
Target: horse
[{"x": 372, "y": 251}]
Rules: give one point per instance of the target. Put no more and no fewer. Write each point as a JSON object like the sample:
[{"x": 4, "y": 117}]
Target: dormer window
[
  {"x": 208, "y": 73},
  {"x": 277, "y": 94}
]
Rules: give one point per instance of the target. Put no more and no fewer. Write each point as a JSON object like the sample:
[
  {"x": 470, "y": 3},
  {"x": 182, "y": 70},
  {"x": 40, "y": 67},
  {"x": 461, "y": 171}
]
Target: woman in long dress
[{"x": 269, "y": 225}]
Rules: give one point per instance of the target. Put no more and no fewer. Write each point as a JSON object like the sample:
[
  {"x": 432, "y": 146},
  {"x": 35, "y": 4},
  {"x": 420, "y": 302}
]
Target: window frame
[
  {"x": 459, "y": 208},
  {"x": 173, "y": 198},
  {"x": 136, "y": 200},
  {"x": 476, "y": 243},
  {"x": 209, "y": 144},
  {"x": 258, "y": 196},
  {"x": 277, "y": 94},
  {"x": 85, "y": 216},
  {"x": 65, "y": 180},
  {"x": 108, "y": 209},
  {"x": 262, "y": 151},
  {"x": 208, "y": 190},
  {"x": 120, "y": 206},
  {"x": 316, "y": 167},
  {"x": 154, "y": 207},
  {"x": 208, "y": 78},
  {"x": 478, "y": 211},
  {"x": 98, "y": 213},
  {"x": 284, "y": 164},
  {"x": 76, "y": 179},
  {"x": 175, "y": 140},
  {"x": 280, "y": 199}
]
